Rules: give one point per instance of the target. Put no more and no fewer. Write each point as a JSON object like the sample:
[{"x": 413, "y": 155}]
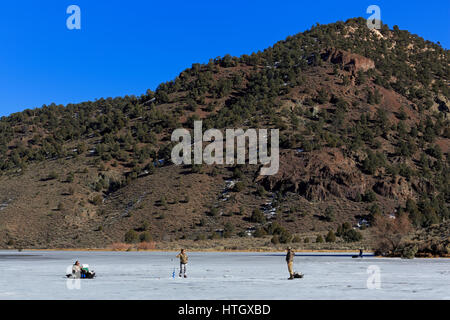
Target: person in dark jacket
[{"x": 290, "y": 262}]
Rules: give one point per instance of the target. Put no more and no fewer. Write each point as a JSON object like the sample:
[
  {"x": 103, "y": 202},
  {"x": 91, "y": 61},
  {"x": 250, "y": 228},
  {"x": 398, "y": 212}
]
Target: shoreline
[
  {"x": 190, "y": 250},
  {"x": 370, "y": 253}
]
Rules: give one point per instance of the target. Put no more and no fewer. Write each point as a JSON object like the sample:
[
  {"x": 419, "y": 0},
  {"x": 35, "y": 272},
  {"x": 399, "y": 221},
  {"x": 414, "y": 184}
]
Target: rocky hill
[{"x": 364, "y": 131}]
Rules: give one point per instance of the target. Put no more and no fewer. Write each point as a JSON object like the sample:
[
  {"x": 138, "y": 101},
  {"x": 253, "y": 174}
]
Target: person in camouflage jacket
[
  {"x": 290, "y": 262},
  {"x": 183, "y": 262}
]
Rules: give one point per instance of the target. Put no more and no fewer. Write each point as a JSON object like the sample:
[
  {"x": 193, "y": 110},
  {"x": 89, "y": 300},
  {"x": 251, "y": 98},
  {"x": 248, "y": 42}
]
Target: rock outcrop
[
  {"x": 349, "y": 61},
  {"x": 317, "y": 175},
  {"x": 396, "y": 189}
]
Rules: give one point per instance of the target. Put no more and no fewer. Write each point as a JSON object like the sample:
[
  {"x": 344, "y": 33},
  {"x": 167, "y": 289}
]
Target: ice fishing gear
[
  {"x": 296, "y": 275},
  {"x": 84, "y": 273}
]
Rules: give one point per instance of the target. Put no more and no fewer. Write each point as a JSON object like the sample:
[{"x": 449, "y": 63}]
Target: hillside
[{"x": 364, "y": 132}]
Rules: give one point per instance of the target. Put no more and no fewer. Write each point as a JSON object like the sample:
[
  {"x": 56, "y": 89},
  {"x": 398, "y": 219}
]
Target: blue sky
[{"x": 127, "y": 47}]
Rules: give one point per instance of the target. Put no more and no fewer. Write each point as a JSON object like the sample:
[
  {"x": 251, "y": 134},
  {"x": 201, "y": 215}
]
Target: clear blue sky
[{"x": 126, "y": 47}]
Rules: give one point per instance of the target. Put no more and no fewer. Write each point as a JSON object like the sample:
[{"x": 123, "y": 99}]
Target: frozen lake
[{"x": 148, "y": 275}]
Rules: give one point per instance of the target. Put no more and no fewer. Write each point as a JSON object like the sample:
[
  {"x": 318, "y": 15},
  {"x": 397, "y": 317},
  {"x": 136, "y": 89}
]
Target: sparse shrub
[
  {"x": 131, "y": 236},
  {"x": 145, "y": 226},
  {"x": 373, "y": 161},
  {"x": 71, "y": 190},
  {"x": 343, "y": 228},
  {"x": 70, "y": 177},
  {"x": 238, "y": 187},
  {"x": 260, "y": 191},
  {"x": 319, "y": 239},
  {"x": 215, "y": 172},
  {"x": 257, "y": 216},
  {"x": 259, "y": 233},
  {"x": 145, "y": 237},
  {"x": 200, "y": 237},
  {"x": 52, "y": 175},
  {"x": 274, "y": 228},
  {"x": 97, "y": 200},
  {"x": 98, "y": 186},
  {"x": 331, "y": 237},
  {"x": 370, "y": 196},
  {"x": 213, "y": 212},
  {"x": 329, "y": 214},
  {"x": 237, "y": 173},
  {"x": 242, "y": 234},
  {"x": 402, "y": 114},
  {"x": 285, "y": 236},
  {"x": 409, "y": 251},
  {"x": 275, "y": 239},
  {"x": 228, "y": 230},
  {"x": 374, "y": 210},
  {"x": 214, "y": 236},
  {"x": 352, "y": 236}
]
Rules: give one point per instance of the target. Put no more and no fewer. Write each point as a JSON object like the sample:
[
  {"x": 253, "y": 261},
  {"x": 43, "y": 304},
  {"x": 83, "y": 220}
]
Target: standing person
[
  {"x": 290, "y": 262},
  {"x": 183, "y": 262}
]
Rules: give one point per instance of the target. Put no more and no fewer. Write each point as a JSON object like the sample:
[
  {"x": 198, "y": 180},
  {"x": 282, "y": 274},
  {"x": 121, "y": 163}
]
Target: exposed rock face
[
  {"x": 320, "y": 175},
  {"x": 317, "y": 175},
  {"x": 349, "y": 61},
  {"x": 397, "y": 189}
]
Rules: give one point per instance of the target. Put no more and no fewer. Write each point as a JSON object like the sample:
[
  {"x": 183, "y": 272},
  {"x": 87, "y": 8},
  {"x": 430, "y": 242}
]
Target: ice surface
[{"x": 148, "y": 275}]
